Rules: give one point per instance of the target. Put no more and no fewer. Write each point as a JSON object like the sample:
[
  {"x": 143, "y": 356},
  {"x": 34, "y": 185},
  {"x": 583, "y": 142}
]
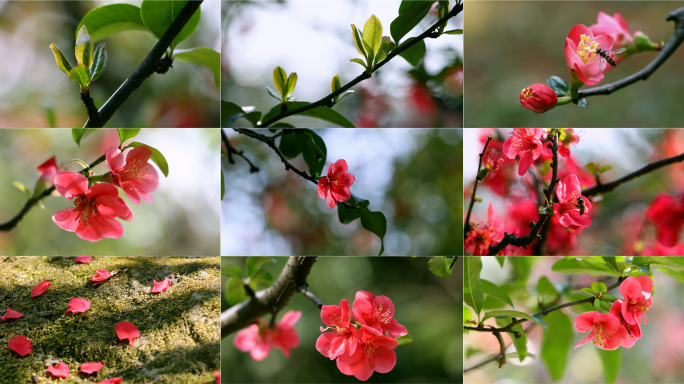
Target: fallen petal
[
  {"x": 113, "y": 380},
  {"x": 83, "y": 259},
  {"x": 90, "y": 368},
  {"x": 59, "y": 370},
  {"x": 100, "y": 275},
  {"x": 218, "y": 377},
  {"x": 161, "y": 286},
  {"x": 127, "y": 331},
  {"x": 40, "y": 288},
  {"x": 10, "y": 315},
  {"x": 21, "y": 345},
  {"x": 77, "y": 305}
]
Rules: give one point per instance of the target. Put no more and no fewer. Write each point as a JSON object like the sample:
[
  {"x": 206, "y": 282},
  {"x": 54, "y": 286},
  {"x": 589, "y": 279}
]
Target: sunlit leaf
[
  {"x": 205, "y": 57},
  {"x": 415, "y": 53},
  {"x": 84, "y": 47},
  {"x": 410, "y": 14},
  {"x": 126, "y": 134},
  {"x": 158, "y": 16},
  {"x": 110, "y": 19},
  {"x": 280, "y": 80},
  {"x": 62, "y": 62}
]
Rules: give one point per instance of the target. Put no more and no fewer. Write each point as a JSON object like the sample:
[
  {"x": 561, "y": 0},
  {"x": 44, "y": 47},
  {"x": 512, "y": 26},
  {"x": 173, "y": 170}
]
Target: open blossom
[
  {"x": 667, "y": 213},
  {"x": 580, "y": 53},
  {"x": 342, "y": 339},
  {"x": 48, "y": 170},
  {"x": 482, "y": 235},
  {"x": 259, "y": 338},
  {"x": 637, "y": 294},
  {"x": 633, "y": 330},
  {"x": 569, "y": 137},
  {"x": 538, "y": 98},
  {"x": 526, "y": 143},
  {"x": 135, "y": 175},
  {"x": 335, "y": 186},
  {"x": 377, "y": 313},
  {"x": 606, "y": 332},
  {"x": 375, "y": 353},
  {"x": 93, "y": 216},
  {"x": 569, "y": 209},
  {"x": 614, "y": 26}
]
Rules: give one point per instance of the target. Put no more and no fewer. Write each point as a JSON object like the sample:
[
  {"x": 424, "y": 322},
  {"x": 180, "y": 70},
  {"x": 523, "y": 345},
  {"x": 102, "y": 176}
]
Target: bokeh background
[
  {"x": 655, "y": 358},
  {"x": 619, "y": 225},
  {"x": 428, "y": 306},
  {"x": 413, "y": 176},
  {"x": 314, "y": 39},
  {"x": 33, "y": 87},
  {"x": 514, "y": 44},
  {"x": 183, "y": 218}
]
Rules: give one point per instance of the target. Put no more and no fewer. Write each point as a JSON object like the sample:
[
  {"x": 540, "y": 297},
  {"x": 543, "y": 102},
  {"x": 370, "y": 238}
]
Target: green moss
[{"x": 179, "y": 328}]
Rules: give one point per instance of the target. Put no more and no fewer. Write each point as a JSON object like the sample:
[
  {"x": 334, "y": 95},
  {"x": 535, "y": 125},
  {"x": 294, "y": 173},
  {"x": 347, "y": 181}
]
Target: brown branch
[
  {"x": 232, "y": 151},
  {"x": 466, "y": 225}
]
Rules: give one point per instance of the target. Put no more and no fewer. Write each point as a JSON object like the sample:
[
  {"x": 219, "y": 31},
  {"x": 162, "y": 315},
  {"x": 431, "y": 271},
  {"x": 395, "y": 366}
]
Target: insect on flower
[
  {"x": 605, "y": 56},
  {"x": 579, "y": 203}
]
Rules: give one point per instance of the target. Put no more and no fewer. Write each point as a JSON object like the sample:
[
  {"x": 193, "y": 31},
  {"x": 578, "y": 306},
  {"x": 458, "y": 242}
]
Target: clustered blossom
[
  {"x": 335, "y": 186},
  {"x": 621, "y": 326},
  {"x": 526, "y": 143},
  {"x": 614, "y": 26},
  {"x": 666, "y": 212},
  {"x": 96, "y": 208},
  {"x": 261, "y": 337},
  {"x": 569, "y": 210},
  {"x": 364, "y": 344},
  {"x": 482, "y": 235}
]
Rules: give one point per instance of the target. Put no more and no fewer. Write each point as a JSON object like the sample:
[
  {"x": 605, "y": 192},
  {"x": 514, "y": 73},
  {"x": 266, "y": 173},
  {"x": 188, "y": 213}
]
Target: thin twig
[
  {"x": 328, "y": 100},
  {"x": 675, "y": 41},
  {"x": 496, "y": 357},
  {"x": 232, "y": 151},
  {"x": 146, "y": 68},
  {"x": 466, "y": 225},
  {"x": 304, "y": 290}
]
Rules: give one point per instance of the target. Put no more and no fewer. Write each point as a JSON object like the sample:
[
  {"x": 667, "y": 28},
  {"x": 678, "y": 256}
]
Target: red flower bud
[{"x": 538, "y": 98}]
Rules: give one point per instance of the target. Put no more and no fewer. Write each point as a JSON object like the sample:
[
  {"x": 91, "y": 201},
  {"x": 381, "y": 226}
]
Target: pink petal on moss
[
  {"x": 77, "y": 305},
  {"x": 101, "y": 275},
  {"x": 161, "y": 286},
  {"x": 21, "y": 345},
  {"x": 127, "y": 331},
  {"x": 10, "y": 315},
  {"x": 40, "y": 288},
  {"x": 218, "y": 377},
  {"x": 113, "y": 380},
  {"x": 90, "y": 368},
  {"x": 59, "y": 370},
  {"x": 83, "y": 259}
]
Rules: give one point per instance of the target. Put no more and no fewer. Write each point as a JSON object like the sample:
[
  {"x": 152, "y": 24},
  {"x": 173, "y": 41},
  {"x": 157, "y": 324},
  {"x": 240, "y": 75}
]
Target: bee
[
  {"x": 579, "y": 203},
  {"x": 604, "y": 56}
]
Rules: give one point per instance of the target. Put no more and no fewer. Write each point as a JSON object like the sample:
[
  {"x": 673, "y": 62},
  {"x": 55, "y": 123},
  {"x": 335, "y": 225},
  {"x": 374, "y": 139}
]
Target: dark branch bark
[
  {"x": 269, "y": 300},
  {"x": 466, "y": 225},
  {"x": 232, "y": 151},
  {"x": 146, "y": 68}
]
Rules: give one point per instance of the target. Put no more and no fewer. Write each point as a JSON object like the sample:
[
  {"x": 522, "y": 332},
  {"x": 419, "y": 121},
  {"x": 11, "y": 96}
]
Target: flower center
[
  {"x": 370, "y": 349},
  {"x": 586, "y": 49},
  {"x": 133, "y": 170},
  {"x": 86, "y": 209},
  {"x": 383, "y": 316}
]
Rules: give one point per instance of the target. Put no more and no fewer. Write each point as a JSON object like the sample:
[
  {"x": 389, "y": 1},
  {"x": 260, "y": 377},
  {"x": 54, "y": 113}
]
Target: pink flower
[
  {"x": 581, "y": 56},
  {"x": 377, "y": 313},
  {"x": 59, "y": 370},
  {"x": 259, "y": 338},
  {"x": 90, "y": 368},
  {"x": 21, "y": 345},
  {"x": 335, "y": 187},
  {"x": 633, "y": 330},
  {"x": 100, "y": 276},
  {"x": 161, "y": 286},
  {"x": 95, "y": 210},
  {"x": 538, "y": 98},
  {"x": 218, "y": 377},
  {"x": 569, "y": 209},
  {"x": 569, "y": 137},
  {"x": 526, "y": 143},
  {"x": 83, "y": 259},
  {"x": 135, "y": 175},
  {"x": 637, "y": 294},
  {"x": 606, "y": 330},
  {"x": 375, "y": 353},
  {"x": 113, "y": 380},
  {"x": 482, "y": 235},
  {"x": 77, "y": 305},
  {"x": 667, "y": 213},
  {"x": 126, "y": 330},
  {"x": 614, "y": 26},
  {"x": 10, "y": 315},
  {"x": 661, "y": 250},
  {"x": 342, "y": 339},
  {"x": 48, "y": 170},
  {"x": 40, "y": 288}
]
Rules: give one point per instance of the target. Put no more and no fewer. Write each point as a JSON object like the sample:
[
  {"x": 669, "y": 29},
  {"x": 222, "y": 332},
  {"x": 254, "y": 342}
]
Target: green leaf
[
  {"x": 110, "y": 19},
  {"x": 611, "y": 363},
  {"x": 232, "y": 271},
  {"x": 84, "y": 47},
  {"x": 439, "y": 266},
  {"x": 314, "y": 151},
  {"x": 359, "y": 61},
  {"x": 385, "y": 48},
  {"x": 558, "y": 85},
  {"x": 262, "y": 279},
  {"x": 454, "y": 32},
  {"x": 23, "y": 188},
  {"x": 358, "y": 42},
  {"x": 556, "y": 343},
  {"x": 280, "y": 80},
  {"x": 520, "y": 342},
  {"x": 158, "y": 16},
  {"x": 599, "y": 287},
  {"x": 205, "y": 57},
  {"x": 374, "y": 222},
  {"x": 99, "y": 62},
  {"x": 80, "y": 75},
  {"x": 605, "y": 168},
  {"x": 610, "y": 260},
  {"x": 253, "y": 264},
  {"x": 235, "y": 291},
  {"x": 290, "y": 145},
  {"x": 126, "y": 134},
  {"x": 253, "y": 117},
  {"x": 472, "y": 285},
  {"x": 511, "y": 313},
  {"x": 579, "y": 266},
  {"x": 410, "y": 14},
  {"x": 223, "y": 185},
  {"x": 230, "y": 112},
  {"x": 156, "y": 157},
  {"x": 347, "y": 215},
  {"x": 62, "y": 62},
  {"x": 406, "y": 339},
  {"x": 591, "y": 167},
  {"x": 671, "y": 263},
  {"x": 491, "y": 289},
  {"x": 322, "y": 113},
  {"x": 414, "y": 54},
  {"x": 272, "y": 92},
  {"x": 81, "y": 133},
  {"x": 588, "y": 292},
  {"x": 372, "y": 36},
  {"x": 335, "y": 83},
  {"x": 291, "y": 83},
  {"x": 546, "y": 289},
  {"x": 501, "y": 260}
]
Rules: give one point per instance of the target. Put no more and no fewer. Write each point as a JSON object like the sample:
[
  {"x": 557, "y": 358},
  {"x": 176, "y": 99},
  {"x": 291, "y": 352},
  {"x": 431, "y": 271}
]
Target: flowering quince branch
[
  {"x": 329, "y": 100},
  {"x": 675, "y": 41},
  {"x": 144, "y": 70},
  {"x": 467, "y": 226},
  {"x": 304, "y": 290},
  {"x": 232, "y": 151}
]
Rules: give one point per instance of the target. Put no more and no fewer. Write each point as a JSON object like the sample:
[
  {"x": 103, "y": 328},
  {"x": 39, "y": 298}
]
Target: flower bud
[{"x": 538, "y": 98}]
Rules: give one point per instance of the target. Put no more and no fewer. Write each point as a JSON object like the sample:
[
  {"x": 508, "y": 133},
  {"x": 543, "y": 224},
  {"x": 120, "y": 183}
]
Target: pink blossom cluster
[
  {"x": 621, "y": 326},
  {"x": 96, "y": 207}
]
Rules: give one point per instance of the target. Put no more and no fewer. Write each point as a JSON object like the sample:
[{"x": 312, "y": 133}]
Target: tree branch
[
  {"x": 466, "y": 225},
  {"x": 34, "y": 200},
  {"x": 146, "y": 68},
  {"x": 232, "y": 151},
  {"x": 269, "y": 300},
  {"x": 304, "y": 290},
  {"x": 675, "y": 40},
  {"x": 328, "y": 100},
  {"x": 496, "y": 357}
]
